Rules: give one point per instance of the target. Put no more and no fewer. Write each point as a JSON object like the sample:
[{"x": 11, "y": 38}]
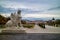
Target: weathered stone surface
[{"x": 13, "y": 31}]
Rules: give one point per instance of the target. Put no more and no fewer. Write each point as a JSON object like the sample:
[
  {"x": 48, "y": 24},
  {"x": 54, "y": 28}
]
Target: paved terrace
[{"x": 36, "y": 29}]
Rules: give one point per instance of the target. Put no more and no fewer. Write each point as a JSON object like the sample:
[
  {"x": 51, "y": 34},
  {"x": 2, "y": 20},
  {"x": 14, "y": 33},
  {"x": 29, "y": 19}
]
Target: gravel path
[{"x": 48, "y": 29}]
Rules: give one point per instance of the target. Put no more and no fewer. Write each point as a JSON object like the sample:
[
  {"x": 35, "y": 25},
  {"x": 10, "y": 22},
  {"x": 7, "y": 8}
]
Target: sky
[{"x": 31, "y": 8}]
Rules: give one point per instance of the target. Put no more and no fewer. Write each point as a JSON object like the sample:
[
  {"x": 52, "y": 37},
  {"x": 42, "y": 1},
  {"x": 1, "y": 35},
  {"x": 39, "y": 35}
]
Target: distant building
[{"x": 35, "y": 22}]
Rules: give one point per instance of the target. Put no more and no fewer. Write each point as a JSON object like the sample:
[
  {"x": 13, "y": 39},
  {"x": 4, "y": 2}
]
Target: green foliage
[
  {"x": 42, "y": 25},
  {"x": 28, "y": 25},
  {"x": 2, "y": 26},
  {"x": 57, "y": 21},
  {"x": 3, "y": 20}
]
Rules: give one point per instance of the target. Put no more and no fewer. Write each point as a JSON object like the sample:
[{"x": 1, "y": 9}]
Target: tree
[
  {"x": 3, "y": 20},
  {"x": 57, "y": 21},
  {"x": 53, "y": 21}
]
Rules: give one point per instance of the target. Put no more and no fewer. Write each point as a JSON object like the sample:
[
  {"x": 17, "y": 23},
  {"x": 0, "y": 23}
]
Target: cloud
[
  {"x": 32, "y": 8},
  {"x": 34, "y": 15},
  {"x": 40, "y": 15},
  {"x": 5, "y": 10},
  {"x": 55, "y": 8},
  {"x": 25, "y": 6}
]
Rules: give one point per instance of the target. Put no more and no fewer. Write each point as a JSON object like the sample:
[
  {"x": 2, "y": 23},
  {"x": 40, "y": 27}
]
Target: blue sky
[{"x": 31, "y": 8}]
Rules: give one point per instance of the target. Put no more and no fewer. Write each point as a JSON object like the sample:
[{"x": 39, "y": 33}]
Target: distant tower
[{"x": 53, "y": 20}]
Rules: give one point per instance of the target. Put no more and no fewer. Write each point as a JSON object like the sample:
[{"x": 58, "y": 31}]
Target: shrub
[
  {"x": 57, "y": 21},
  {"x": 42, "y": 25},
  {"x": 28, "y": 25},
  {"x": 2, "y": 26},
  {"x": 3, "y": 20}
]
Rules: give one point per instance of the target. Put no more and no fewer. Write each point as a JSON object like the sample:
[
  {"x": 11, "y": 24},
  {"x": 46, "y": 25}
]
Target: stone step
[{"x": 13, "y": 31}]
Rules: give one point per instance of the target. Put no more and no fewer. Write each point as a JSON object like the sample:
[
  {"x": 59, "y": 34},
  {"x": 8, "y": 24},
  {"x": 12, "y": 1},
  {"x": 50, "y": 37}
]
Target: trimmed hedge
[{"x": 28, "y": 25}]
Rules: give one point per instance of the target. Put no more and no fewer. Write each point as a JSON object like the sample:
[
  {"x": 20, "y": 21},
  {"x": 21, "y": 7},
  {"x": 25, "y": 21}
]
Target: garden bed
[{"x": 28, "y": 25}]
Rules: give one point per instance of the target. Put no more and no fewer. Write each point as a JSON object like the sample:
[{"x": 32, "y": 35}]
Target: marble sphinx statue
[{"x": 15, "y": 19}]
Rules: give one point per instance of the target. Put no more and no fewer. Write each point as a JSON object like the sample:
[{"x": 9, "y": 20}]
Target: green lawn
[
  {"x": 2, "y": 26},
  {"x": 28, "y": 25}
]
